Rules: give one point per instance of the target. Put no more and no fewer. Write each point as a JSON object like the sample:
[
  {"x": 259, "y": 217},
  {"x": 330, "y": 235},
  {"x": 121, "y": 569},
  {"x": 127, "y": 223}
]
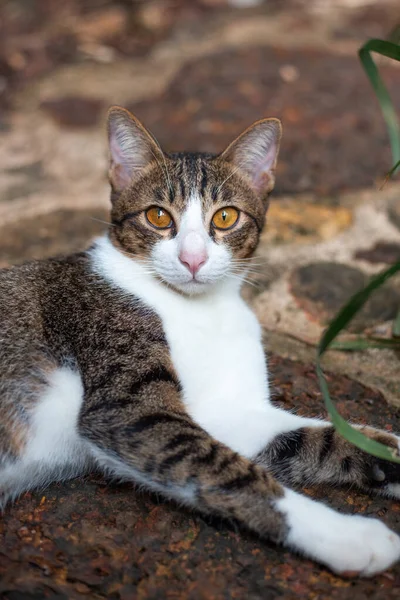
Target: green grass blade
[
  {"x": 393, "y": 169},
  {"x": 390, "y": 173},
  {"x": 339, "y": 322},
  {"x": 356, "y": 302},
  {"x": 390, "y": 50},
  {"x": 365, "y": 344}
]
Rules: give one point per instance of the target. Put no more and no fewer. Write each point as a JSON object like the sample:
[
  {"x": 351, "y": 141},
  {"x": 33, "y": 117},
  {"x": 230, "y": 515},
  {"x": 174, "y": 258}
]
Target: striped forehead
[{"x": 193, "y": 172}]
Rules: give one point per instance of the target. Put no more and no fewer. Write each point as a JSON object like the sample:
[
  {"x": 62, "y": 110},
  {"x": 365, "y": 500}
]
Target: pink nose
[{"x": 193, "y": 260}]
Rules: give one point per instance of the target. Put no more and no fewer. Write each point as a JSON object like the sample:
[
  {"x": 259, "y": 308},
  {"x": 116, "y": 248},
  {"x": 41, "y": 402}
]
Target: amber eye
[
  {"x": 158, "y": 217},
  {"x": 225, "y": 218}
]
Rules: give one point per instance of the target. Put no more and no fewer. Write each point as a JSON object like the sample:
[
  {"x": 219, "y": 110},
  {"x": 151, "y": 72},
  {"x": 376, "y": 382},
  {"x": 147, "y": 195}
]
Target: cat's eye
[
  {"x": 225, "y": 218},
  {"x": 159, "y": 218}
]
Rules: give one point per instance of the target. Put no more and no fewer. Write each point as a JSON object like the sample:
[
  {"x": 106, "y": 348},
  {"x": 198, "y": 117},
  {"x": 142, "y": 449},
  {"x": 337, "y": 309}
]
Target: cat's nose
[
  {"x": 193, "y": 260},
  {"x": 193, "y": 251}
]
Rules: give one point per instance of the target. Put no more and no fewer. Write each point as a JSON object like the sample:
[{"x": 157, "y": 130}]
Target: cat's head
[{"x": 192, "y": 219}]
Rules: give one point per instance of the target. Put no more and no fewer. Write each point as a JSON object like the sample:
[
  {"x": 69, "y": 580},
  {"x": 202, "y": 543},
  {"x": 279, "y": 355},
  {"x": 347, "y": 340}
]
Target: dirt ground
[{"x": 197, "y": 73}]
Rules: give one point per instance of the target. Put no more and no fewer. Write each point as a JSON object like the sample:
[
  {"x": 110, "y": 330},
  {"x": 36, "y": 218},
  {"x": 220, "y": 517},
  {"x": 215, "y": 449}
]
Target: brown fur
[{"x": 58, "y": 312}]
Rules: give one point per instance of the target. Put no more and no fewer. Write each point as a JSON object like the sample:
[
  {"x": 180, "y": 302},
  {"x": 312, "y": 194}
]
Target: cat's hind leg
[
  {"x": 40, "y": 442},
  {"x": 149, "y": 439}
]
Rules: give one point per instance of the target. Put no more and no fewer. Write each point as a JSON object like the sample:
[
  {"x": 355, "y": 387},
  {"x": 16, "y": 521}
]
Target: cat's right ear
[{"x": 132, "y": 148}]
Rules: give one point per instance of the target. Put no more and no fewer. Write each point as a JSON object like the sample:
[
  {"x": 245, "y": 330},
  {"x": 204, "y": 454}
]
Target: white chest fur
[{"x": 215, "y": 344}]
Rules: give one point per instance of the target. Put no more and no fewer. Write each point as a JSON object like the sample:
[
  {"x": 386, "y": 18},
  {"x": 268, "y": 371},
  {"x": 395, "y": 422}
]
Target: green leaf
[
  {"x": 390, "y": 50},
  {"x": 339, "y": 322},
  {"x": 365, "y": 344}
]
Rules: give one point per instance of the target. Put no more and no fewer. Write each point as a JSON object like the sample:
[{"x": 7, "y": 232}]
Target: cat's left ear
[{"x": 255, "y": 154}]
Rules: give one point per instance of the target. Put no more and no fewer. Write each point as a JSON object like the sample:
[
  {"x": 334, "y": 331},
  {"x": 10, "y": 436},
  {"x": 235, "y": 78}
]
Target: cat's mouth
[{"x": 190, "y": 287}]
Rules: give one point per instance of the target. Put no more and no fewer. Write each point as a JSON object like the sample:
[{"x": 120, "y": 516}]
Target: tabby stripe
[
  {"x": 179, "y": 440},
  {"x": 240, "y": 482},
  {"x": 225, "y": 463},
  {"x": 126, "y": 217},
  {"x": 105, "y": 377},
  {"x": 346, "y": 464},
  {"x": 154, "y": 376},
  {"x": 150, "y": 421},
  {"x": 208, "y": 458},
  {"x": 172, "y": 460},
  {"x": 171, "y": 194},
  {"x": 159, "y": 194},
  {"x": 182, "y": 188},
  {"x": 214, "y": 193},
  {"x": 289, "y": 444},
  {"x": 204, "y": 180},
  {"x": 157, "y": 375},
  {"x": 327, "y": 444}
]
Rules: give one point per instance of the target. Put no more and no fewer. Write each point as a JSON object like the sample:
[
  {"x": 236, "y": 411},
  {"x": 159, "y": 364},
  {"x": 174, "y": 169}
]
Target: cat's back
[
  {"x": 31, "y": 297},
  {"x": 19, "y": 296}
]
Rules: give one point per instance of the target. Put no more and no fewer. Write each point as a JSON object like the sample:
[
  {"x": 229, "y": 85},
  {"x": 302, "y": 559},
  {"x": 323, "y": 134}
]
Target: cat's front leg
[
  {"x": 153, "y": 442},
  {"x": 311, "y": 452}
]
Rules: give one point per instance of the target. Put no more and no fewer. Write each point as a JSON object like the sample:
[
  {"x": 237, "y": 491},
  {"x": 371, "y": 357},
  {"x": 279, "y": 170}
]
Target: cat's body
[{"x": 140, "y": 357}]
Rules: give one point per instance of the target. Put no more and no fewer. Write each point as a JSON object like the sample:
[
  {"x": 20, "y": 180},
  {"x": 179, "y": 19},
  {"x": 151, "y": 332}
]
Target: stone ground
[{"x": 197, "y": 73}]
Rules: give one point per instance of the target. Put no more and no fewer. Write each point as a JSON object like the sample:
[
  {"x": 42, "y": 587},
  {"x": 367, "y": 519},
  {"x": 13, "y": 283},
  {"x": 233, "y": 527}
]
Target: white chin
[{"x": 192, "y": 287}]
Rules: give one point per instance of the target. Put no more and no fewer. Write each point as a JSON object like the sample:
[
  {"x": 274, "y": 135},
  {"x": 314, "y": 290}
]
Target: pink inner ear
[
  {"x": 119, "y": 164},
  {"x": 263, "y": 164}
]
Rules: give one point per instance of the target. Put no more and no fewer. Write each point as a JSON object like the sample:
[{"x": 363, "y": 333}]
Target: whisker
[
  {"x": 243, "y": 279},
  {"x": 100, "y": 221},
  {"x": 257, "y": 266},
  {"x": 229, "y": 176},
  {"x": 250, "y": 260}
]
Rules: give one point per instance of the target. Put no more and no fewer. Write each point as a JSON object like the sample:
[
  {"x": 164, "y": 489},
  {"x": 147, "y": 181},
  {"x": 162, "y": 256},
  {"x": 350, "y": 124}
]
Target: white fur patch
[
  {"x": 54, "y": 450},
  {"x": 393, "y": 490},
  {"x": 54, "y": 425},
  {"x": 192, "y": 235},
  {"x": 341, "y": 542},
  {"x": 216, "y": 348}
]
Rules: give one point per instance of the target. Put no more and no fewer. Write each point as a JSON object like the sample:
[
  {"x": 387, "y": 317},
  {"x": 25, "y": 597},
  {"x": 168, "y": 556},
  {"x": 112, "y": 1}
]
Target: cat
[{"x": 140, "y": 357}]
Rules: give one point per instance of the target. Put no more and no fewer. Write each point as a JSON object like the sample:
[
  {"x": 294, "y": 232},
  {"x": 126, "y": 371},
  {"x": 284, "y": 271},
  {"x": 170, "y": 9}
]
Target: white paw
[
  {"x": 348, "y": 545},
  {"x": 393, "y": 490}
]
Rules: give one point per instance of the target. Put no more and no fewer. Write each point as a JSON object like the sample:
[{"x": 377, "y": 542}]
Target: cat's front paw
[
  {"x": 349, "y": 545},
  {"x": 366, "y": 547},
  {"x": 380, "y": 475}
]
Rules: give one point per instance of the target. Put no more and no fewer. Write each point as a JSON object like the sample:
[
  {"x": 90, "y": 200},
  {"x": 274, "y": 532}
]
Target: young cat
[{"x": 140, "y": 357}]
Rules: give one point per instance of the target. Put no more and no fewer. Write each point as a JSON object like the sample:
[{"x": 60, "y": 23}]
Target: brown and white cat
[{"x": 140, "y": 357}]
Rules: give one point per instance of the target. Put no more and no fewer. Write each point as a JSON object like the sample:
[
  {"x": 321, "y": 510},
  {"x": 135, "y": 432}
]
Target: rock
[
  {"x": 327, "y": 108},
  {"x": 59, "y": 232},
  {"x": 321, "y": 289},
  {"x": 293, "y": 220},
  {"x": 74, "y": 111},
  {"x": 382, "y": 252}
]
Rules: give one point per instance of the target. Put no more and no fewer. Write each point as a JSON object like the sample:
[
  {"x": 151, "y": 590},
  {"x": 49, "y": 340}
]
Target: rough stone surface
[
  {"x": 197, "y": 73},
  {"x": 211, "y": 101},
  {"x": 321, "y": 289},
  {"x": 59, "y": 232},
  {"x": 90, "y": 538},
  {"x": 73, "y": 111},
  {"x": 382, "y": 252}
]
